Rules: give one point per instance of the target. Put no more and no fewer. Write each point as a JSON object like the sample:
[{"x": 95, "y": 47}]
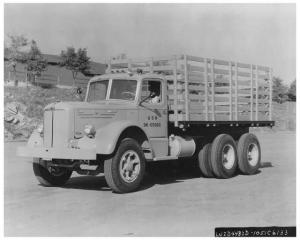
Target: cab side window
[{"x": 151, "y": 89}]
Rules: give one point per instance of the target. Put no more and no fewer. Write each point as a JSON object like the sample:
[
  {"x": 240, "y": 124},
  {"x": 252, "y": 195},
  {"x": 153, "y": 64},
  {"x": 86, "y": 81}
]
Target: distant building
[{"x": 55, "y": 74}]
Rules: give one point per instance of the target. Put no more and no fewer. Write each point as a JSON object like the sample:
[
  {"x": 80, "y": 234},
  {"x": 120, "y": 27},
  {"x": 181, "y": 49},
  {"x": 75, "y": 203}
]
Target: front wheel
[
  {"x": 48, "y": 175},
  {"x": 125, "y": 171}
]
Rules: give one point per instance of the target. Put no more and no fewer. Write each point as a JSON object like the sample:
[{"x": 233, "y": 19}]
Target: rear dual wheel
[
  {"x": 224, "y": 156},
  {"x": 204, "y": 162},
  {"x": 218, "y": 158},
  {"x": 249, "y": 154}
]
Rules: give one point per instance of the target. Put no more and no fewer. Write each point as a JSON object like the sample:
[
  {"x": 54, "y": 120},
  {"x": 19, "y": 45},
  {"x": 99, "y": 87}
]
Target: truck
[{"x": 156, "y": 109}]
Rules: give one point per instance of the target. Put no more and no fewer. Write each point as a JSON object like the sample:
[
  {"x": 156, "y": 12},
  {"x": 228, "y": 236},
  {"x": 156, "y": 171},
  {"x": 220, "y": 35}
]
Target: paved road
[{"x": 171, "y": 204}]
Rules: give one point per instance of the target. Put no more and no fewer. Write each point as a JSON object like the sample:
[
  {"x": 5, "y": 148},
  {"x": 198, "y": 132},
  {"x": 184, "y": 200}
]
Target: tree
[
  {"x": 35, "y": 62},
  {"x": 292, "y": 91},
  {"x": 77, "y": 62},
  {"x": 14, "y": 52},
  {"x": 279, "y": 90}
]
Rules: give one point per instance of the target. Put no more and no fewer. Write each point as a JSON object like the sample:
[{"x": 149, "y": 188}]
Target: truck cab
[{"x": 117, "y": 107}]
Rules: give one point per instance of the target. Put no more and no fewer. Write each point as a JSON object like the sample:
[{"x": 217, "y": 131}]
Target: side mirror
[
  {"x": 151, "y": 95},
  {"x": 79, "y": 90}
]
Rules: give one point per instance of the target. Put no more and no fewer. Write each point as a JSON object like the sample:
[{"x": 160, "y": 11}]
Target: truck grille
[
  {"x": 56, "y": 128},
  {"x": 48, "y": 128},
  {"x": 61, "y": 124}
]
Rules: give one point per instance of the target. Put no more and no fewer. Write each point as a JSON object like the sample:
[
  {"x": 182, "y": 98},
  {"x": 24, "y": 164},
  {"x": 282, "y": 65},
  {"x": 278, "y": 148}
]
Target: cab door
[{"x": 153, "y": 114}]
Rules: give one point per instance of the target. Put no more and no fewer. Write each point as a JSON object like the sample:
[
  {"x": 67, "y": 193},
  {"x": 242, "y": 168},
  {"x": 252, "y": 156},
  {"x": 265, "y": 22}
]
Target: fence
[
  {"x": 43, "y": 80},
  {"x": 285, "y": 115}
]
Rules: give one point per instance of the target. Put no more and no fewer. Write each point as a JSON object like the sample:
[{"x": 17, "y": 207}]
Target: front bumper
[
  {"x": 59, "y": 153},
  {"x": 35, "y": 149}
]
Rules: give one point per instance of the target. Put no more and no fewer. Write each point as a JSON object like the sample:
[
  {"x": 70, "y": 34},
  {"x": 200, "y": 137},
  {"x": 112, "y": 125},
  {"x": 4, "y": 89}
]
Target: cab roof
[{"x": 127, "y": 76}]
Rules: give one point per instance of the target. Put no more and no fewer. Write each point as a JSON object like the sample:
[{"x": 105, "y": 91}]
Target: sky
[{"x": 263, "y": 34}]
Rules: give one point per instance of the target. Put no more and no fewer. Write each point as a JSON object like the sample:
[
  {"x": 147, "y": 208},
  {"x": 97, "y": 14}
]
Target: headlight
[
  {"x": 89, "y": 130},
  {"x": 73, "y": 143}
]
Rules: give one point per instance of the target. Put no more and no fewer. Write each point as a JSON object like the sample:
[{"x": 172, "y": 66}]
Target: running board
[{"x": 164, "y": 158}]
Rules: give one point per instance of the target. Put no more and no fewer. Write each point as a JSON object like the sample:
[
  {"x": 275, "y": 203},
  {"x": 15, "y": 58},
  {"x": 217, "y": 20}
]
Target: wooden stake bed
[{"x": 203, "y": 90}]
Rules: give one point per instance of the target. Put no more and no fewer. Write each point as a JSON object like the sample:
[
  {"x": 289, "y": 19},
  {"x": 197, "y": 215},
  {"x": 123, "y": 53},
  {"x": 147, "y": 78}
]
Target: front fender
[
  {"x": 35, "y": 140},
  {"x": 108, "y": 136}
]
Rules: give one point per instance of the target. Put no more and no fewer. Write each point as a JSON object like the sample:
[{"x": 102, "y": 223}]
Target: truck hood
[
  {"x": 105, "y": 105},
  {"x": 97, "y": 114}
]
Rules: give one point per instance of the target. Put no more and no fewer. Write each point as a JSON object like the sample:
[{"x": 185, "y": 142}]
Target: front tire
[
  {"x": 50, "y": 176},
  {"x": 249, "y": 153},
  {"x": 223, "y": 156},
  {"x": 125, "y": 171}
]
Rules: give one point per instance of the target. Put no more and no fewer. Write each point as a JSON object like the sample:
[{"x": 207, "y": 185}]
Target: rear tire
[
  {"x": 204, "y": 161},
  {"x": 125, "y": 171},
  {"x": 50, "y": 176},
  {"x": 223, "y": 156},
  {"x": 249, "y": 154}
]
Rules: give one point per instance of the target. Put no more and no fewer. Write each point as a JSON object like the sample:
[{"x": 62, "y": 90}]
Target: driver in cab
[{"x": 154, "y": 93}]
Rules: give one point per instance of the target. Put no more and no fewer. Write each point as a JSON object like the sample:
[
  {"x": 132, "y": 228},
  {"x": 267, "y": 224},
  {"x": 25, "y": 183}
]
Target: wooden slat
[
  {"x": 186, "y": 87},
  {"x": 222, "y": 89},
  {"x": 144, "y": 69},
  {"x": 218, "y": 97},
  {"x": 221, "y": 62},
  {"x": 251, "y": 94},
  {"x": 164, "y": 68},
  {"x": 206, "y": 88},
  {"x": 196, "y": 75},
  {"x": 193, "y": 107},
  {"x": 175, "y": 92},
  {"x": 200, "y": 69},
  {"x": 151, "y": 65},
  {"x": 181, "y": 87},
  {"x": 270, "y": 93},
  {"x": 212, "y": 89},
  {"x": 196, "y": 79},
  {"x": 256, "y": 93},
  {"x": 236, "y": 91},
  {"x": 262, "y": 68},
  {"x": 196, "y": 59},
  {"x": 230, "y": 90},
  {"x": 244, "y": 65}
]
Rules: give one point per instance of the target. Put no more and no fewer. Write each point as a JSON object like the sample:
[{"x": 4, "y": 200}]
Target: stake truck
[{"x": 156, "y": 109}]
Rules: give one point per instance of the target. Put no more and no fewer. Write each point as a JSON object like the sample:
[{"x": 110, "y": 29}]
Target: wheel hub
[
  {"x": 129, "y": 166},
  {"x": 252, "y": 154},
  {"x": 228, "y": 156}
]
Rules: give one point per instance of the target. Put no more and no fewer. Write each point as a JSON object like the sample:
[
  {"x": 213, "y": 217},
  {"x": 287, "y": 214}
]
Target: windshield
[
  {"x": 121, "y": 89},
  {"x": 97, "y": 91}
]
